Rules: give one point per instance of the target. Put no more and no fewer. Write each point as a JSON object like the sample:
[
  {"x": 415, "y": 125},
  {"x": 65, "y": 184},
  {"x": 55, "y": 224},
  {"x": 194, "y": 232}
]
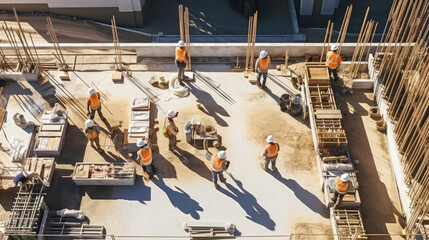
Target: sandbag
[{"x": 338, "y": 167}]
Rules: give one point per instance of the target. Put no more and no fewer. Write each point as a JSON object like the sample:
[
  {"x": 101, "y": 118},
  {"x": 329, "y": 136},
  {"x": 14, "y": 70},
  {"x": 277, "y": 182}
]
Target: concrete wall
[
  {"x": 129, "y": 13},
  {"x": 209, "y": 49},
  {"x": 395, "y": 157}
]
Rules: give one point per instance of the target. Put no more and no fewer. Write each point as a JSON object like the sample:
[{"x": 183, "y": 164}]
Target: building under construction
[{"x": 371, "y": 123}]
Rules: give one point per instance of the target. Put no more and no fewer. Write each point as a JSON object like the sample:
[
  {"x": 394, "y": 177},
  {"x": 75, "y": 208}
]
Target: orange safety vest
[
  {"x": 145, "y": 156},
  {"x": 95, "y": 100},
  {"x": 333, "y": 60},
  {"x": 341, "y": 186},
  {"x": 217, "y": 164},
  {"x": 180, "y": 54},
  {"x": 92, "y": 135},
  {"x": 264, "y": 63},
  {"x": 272, "y": 150}
]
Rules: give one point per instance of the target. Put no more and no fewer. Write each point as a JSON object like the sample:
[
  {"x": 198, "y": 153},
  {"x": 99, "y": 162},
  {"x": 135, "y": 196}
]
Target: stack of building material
[
  {"x": 330, "y": 142},
  {"x": 26, "y": 212},
  {"x": 139, "y": 122},
  {"x": 348, "y": 225},
  {"x": 44, "y": 167},
  {"x": 104, "y": 174},
  {"x": 68, "y": 227},
  {"x": 51, "y": 136},
  {"x": 210, "y": 229}
]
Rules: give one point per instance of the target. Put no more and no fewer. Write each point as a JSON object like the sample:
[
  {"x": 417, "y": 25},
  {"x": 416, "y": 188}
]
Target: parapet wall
[{"x": 209, "y": 49}]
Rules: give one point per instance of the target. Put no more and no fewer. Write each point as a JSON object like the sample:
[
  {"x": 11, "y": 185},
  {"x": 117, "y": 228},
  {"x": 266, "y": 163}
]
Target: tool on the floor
[
  {"x": 210, "y": 229},
  {"x": 196, "y": 132}
]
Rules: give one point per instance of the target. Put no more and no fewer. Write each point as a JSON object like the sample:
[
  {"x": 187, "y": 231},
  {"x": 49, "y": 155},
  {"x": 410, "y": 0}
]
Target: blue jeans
[
  {"x": 215, "y": 176},
  {"x": 272, "y": 160}
]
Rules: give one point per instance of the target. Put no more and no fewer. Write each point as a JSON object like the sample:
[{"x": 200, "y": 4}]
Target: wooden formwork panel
[
  {"x": 329, "y": 123},
  {"x": 348, "y": 224},
  {"x": 331, "y": 137},
  {"x": 317, "y": 75}
]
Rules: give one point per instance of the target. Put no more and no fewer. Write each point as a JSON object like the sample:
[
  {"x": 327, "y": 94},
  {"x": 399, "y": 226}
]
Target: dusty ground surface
[
  {"x": 259, "y": 203},
  {"x": 376, "y": 180},
  {"x": 67, "y": 29}
]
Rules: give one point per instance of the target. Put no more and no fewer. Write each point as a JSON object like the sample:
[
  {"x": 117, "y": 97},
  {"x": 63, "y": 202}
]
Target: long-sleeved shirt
[{"x": 171, "y": 127}]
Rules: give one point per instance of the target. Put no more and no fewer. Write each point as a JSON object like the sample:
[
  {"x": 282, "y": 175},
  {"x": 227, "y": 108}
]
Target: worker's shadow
[
  {"x": 211, "y": 107},
  {"x": 306, "y": 197},
  {"x": 248, "y": 202},
  {"x": 138, "y": 192},
  {"x": 180, "y": 199},
  {"x": 193, "y": 163}
]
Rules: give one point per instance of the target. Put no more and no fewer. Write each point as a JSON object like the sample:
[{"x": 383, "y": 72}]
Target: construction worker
[
  {"x": 94, "y": 104},
  {"x": 172, "y": 129},
  {"x": 144, "y": 156},
  {"x": 341, "y": 185},
  {"x": 218, "y": 165},
  {"x": 92, "y": 131},
  {"x": 181, "y": 58},
  {"x": 333, "y": 61},
  {"x": 262, "y": 64},
  {"x": 270, "y": 153},
  {"x": 24, "y": 177}
]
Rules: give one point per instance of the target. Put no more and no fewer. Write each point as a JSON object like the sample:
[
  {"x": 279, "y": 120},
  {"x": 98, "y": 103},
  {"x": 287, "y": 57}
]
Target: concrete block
[
  {"x": 362, "y": 84},
  {"x": 252, "y": 77},
  {"x": 63, "y": 75},
  {"x": 189, "y": 76},
  {"x": 117, "y": 77},
  {"x": 20, "y": 76}
]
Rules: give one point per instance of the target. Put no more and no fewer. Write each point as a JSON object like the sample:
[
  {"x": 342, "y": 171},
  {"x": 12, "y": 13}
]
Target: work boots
[{"x": 216, "y": 186}]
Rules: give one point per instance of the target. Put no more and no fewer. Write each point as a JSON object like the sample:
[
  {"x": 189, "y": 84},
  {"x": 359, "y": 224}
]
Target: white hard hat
[
  {"x": 91, "y": 91},
  {"x": 89, "y": 123},
  {"x": 270, "y": 139},
  {"x": 345, "y": 177},
  {"x": 19, "y": 184},
  {"x": 140, "y": 143},
  {"x": 221, "y": 154},
  {"x": 263, "y": 54},
  {"x": 171, "y": 113},
  {"x": 334, "y": 47},
  {"x": 181, "y": 43}
]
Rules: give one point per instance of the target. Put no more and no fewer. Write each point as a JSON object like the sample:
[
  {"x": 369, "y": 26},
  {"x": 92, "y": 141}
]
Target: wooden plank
[
  {"x": 2, "y": 114},
  {"x": 328, "y": 114},
  {"x": 50, "y": 134},
  {"x": 51, "y": 127}
]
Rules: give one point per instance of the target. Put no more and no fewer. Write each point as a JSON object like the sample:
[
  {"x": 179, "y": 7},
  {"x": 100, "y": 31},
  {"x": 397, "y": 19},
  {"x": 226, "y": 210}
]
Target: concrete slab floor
[{"x": 258, "y": 202}]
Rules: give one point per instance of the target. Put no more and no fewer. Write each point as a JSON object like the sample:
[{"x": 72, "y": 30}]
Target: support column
[{"x": 306, "y": 7}]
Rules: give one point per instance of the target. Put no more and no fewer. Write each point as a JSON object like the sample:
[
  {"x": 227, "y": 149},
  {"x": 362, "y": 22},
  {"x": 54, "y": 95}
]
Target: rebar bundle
[{"x": 403, "y": 62}]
